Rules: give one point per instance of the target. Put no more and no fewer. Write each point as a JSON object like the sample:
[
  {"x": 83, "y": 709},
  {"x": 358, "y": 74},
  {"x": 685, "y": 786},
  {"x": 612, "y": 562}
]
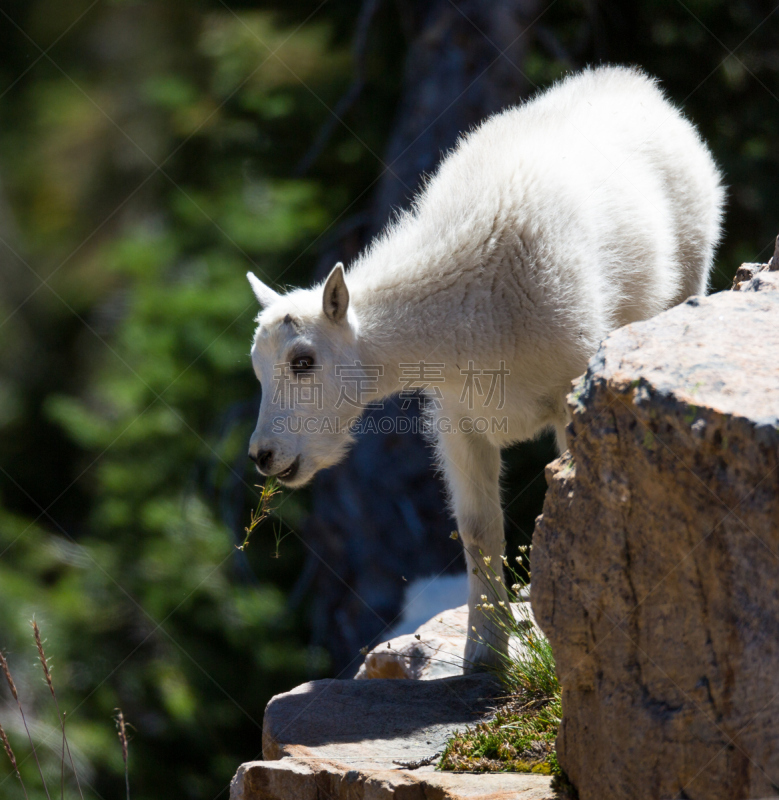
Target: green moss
[{"x": 514, "y": 741}]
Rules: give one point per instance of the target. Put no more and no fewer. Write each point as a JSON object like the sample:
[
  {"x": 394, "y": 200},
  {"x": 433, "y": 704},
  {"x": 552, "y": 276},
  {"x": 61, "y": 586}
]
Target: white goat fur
[{"x": 593, "y": 205}]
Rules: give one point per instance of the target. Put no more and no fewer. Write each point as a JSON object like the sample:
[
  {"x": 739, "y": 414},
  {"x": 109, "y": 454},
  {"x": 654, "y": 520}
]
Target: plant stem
[
  {"x": 12, "y": 687},
  {"x": 61, "y": 716}
]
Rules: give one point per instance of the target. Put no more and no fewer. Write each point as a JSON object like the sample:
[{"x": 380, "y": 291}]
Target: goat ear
[
  {"x": 264, "y": 294},
  {"x": 335, "y": 300}
]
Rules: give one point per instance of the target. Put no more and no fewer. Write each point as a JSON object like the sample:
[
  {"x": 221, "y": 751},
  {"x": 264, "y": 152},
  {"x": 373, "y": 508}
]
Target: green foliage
[{"x": 146, "y": 179}]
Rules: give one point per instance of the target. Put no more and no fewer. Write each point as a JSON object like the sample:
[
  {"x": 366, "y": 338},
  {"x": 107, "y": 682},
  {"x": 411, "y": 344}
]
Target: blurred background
[{"x": 151, "y": 153}]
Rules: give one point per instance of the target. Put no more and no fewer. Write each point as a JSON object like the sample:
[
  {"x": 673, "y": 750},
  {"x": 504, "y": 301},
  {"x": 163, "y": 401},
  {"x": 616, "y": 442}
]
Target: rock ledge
[{"x": 331, "y": 739}]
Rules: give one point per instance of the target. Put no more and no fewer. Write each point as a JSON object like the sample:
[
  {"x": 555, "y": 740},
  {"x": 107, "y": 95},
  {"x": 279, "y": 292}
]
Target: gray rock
[
  {"x": 758, "y": 277},
  {"x": 339, "y": 740},
  {"x": 435, "y": 650},
  {"x": 403, "y": 720},
  {"x": 761, "y": 281},
  {"x": 656, "y": 561}
]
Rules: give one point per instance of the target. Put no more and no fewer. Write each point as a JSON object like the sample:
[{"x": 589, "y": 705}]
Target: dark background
[{"x": 151, "y": 153}]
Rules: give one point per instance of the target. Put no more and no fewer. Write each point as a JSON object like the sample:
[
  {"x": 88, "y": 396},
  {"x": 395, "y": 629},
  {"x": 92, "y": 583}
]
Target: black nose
[{"x": 262, "y": 459}]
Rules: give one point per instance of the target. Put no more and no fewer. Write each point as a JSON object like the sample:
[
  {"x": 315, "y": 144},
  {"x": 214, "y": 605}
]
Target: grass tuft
[
  {"x": 521, "y": 736},
  {"x": 518, "y": 739}
]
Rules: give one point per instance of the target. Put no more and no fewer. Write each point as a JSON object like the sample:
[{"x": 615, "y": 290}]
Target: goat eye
[{"x": 301, "y": 363}]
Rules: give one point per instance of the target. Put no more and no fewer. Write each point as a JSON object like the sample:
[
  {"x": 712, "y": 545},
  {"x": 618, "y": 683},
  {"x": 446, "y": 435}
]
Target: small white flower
[
  {"x": 484, "y": 597},
  {"x": 487, "y": 560}
]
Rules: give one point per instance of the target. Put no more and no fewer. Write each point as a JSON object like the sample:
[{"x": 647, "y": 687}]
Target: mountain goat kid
[{"x": 593, "y": 205}]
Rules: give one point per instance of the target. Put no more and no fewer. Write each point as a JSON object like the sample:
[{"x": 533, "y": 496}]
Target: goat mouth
[{"x": 289, "y": 473}]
